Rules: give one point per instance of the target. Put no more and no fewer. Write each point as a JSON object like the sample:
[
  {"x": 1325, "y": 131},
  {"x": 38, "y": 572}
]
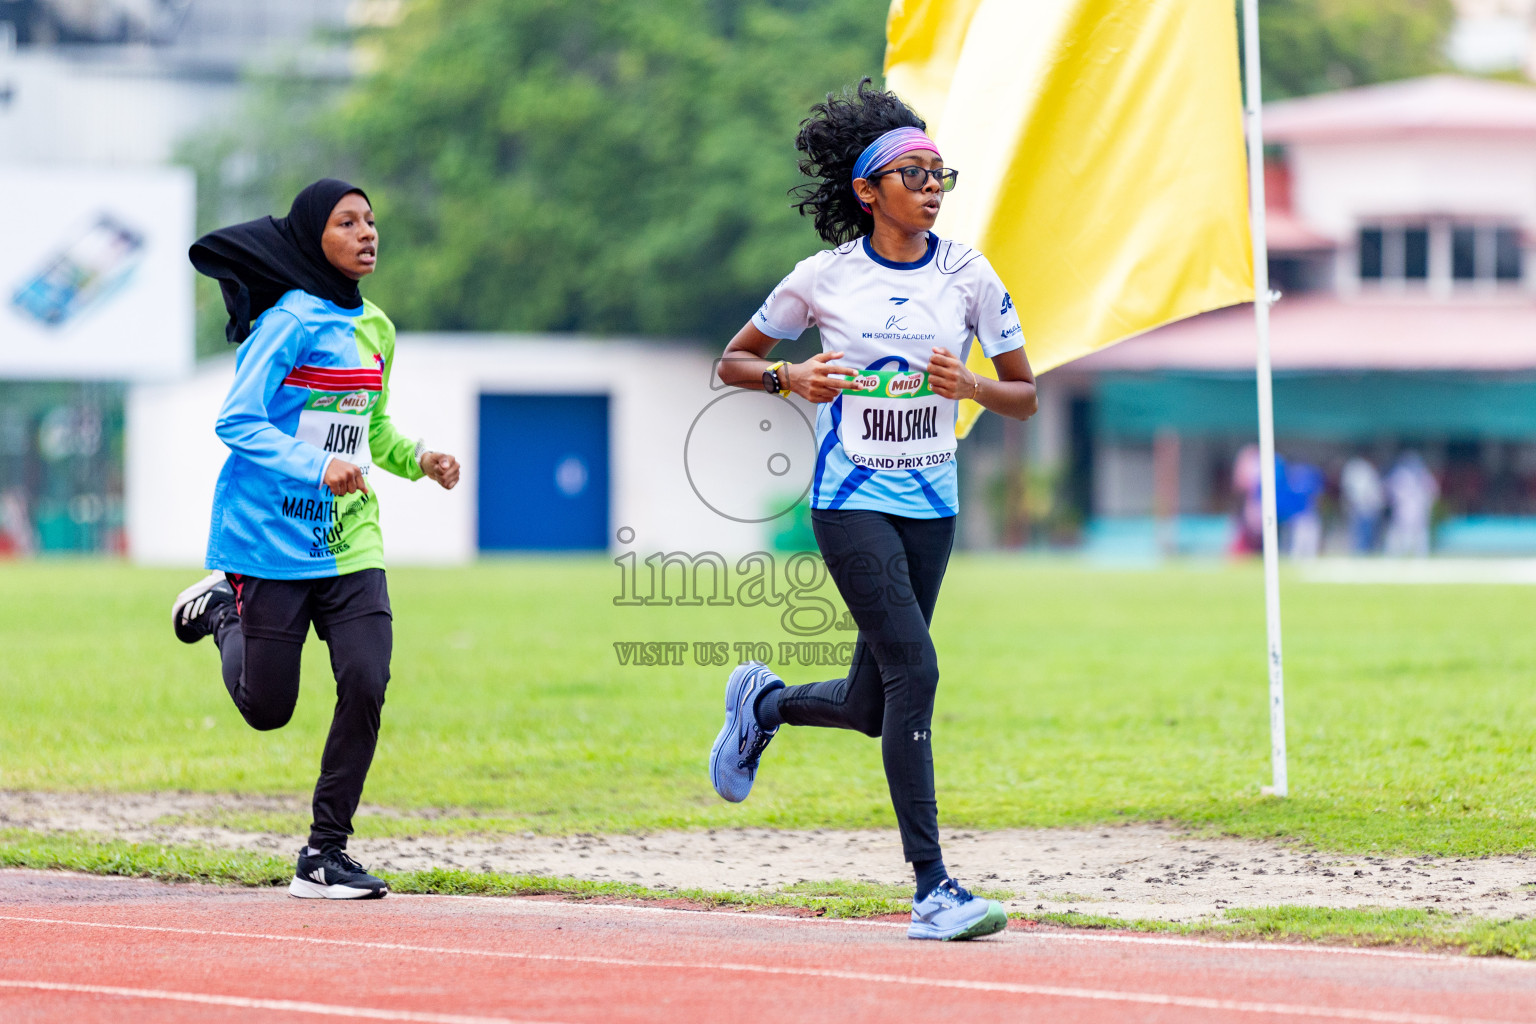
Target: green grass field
[{"x": 1069, "y": 696}]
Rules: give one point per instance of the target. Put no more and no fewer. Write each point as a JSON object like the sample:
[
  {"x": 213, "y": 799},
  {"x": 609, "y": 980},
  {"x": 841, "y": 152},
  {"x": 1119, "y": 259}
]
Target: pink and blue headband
[{"x": 887, "y": 148}]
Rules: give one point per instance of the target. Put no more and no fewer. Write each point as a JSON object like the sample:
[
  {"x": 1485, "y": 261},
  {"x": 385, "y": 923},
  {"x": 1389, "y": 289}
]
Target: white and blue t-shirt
[{"x": 888, "y": 316}]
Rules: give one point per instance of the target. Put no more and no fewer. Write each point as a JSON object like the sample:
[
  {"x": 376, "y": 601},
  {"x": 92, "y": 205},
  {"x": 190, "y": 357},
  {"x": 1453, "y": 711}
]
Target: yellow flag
[{"x": 1101, "y": 157}]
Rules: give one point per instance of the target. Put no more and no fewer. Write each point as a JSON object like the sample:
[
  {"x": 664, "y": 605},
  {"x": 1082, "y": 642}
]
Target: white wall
[
  {"x": 64, "y": 111},
  {"x": 1336, "y": 184},
  {"x": 657, "y": 393},
  {"x": 171, "y": 459}
]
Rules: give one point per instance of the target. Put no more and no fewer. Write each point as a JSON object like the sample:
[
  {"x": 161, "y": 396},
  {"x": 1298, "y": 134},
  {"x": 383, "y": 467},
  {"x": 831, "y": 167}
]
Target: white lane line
[
  {"x": 1067, "y": 934},
  {"x": 563, "y": 905},
  {"x": 1285, "y": 947},
  {"x": 1010, "y": 988},
  {"x": 281, "y": 1005}
]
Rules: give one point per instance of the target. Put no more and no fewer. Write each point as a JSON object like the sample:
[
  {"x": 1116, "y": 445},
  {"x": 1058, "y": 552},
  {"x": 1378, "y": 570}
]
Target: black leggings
[
  {"x": 888, "y": 569},
  {"x": 261, "y": 673}
]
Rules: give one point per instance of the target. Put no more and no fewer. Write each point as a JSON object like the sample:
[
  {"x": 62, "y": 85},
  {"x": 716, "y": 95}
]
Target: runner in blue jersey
[
  {"x": 897, "y": 308},
  {"x": 294, "y": 538}
]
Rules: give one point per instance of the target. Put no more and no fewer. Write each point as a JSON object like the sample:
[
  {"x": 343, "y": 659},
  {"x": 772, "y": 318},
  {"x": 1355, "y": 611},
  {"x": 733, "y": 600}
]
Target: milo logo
[
  {"x": 902, "y": 384},
  {"x": 865, "y": 382},
  {"x": 321, "y": 401},
  {"x": 357, "y": 401}
]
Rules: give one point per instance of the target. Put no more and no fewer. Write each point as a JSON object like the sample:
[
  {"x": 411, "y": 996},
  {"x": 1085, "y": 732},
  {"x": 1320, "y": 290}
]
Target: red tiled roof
[
  {"x": 1284, "y": 232},
  {"x": 1324, "y": 332},
  {"x": 1435, "y": 105}
]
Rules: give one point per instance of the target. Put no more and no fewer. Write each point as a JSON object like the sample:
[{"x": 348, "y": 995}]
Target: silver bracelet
[{"x": 421, "y": 449}]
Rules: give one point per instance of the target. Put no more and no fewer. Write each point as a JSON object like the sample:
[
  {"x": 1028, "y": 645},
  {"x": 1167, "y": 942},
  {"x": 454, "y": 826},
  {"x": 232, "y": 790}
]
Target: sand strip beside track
[{"x": 1130, "y": 871}]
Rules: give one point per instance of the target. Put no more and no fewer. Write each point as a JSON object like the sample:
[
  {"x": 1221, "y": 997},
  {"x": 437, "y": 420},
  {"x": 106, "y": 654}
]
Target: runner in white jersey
[
  {"x": 898, "y": 309},
  {"x": 890, "y": 319}
]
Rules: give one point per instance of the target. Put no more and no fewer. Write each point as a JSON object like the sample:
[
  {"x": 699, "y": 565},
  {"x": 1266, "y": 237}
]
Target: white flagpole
[{"x": 1263, "y": 299}]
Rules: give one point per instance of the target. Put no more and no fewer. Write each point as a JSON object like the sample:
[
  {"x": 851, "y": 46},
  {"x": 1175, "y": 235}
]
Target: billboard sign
[{"x": 94, "y": 278}]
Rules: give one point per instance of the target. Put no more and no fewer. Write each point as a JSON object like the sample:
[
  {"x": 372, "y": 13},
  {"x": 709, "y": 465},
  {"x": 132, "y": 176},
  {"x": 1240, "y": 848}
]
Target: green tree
[
  {"x": 1310, "y": 46},
  {"x": 608, "y": 166},
  {"x": 617, "y": 166}
]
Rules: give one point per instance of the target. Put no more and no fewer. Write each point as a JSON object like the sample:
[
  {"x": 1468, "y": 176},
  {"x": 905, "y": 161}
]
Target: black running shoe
[
  {"x": 332, "y": 875},
  {"x": 197, "y": 610}
]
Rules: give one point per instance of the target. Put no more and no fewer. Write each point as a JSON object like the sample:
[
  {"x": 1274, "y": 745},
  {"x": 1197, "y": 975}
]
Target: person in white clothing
[
  {"x": 1413, "y": 491},
  {"x": 1364, "y": 500},
  {"x": 897, "y": 308}
]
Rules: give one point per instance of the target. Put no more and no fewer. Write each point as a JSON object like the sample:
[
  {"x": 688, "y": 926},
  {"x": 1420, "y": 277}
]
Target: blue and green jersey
[{"x": 311, "y": 385}]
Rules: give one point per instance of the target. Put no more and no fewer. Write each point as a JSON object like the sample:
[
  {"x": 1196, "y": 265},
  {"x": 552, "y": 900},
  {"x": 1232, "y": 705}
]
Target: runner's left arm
[
  {"x": 995, "y": 323},
  {"x": 391, "y": 450}
]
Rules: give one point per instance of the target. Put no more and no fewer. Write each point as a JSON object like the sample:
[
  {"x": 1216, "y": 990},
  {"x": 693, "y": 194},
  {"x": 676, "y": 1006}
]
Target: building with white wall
[
  {"x": 1402, "y": 219},
  {"x": 96, "y": 96},
  {"x": 1423, "y": 186}
]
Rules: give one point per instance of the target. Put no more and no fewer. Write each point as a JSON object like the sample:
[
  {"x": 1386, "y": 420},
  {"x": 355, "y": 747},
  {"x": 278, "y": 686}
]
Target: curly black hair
[{"x": 832, "y": 139}]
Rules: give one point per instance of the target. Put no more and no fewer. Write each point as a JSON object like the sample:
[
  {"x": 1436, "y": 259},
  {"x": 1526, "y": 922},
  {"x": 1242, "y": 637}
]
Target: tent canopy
[{"x": 1332, "y": 405}]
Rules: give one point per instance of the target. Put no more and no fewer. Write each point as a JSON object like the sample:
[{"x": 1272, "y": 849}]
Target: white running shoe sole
[
  {"x": 993, "y": 919},
  {"x": 304, "y": 889},
  {"x": 197, "y": 589},
  {"x": 189, "y": 596}
]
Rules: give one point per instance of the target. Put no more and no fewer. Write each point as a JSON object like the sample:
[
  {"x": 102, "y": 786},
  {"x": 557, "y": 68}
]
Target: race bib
[
  {"x": 892, "y": 420},
  {"x": 337, "y": 423}
]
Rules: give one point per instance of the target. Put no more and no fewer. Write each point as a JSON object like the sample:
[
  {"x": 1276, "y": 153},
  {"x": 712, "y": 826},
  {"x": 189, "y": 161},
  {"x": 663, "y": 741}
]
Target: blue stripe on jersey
[
  {"x": 929, "y": 493},
  {"x": 852, "y": 483},
  {"x": 827, "y": 444}
]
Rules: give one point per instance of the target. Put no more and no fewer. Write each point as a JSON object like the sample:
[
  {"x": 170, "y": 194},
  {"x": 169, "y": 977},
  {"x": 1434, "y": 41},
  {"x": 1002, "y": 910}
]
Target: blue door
[{"x": 543, "y": 472}]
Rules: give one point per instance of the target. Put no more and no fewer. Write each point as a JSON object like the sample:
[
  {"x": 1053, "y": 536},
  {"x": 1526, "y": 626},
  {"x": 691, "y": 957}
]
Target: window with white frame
[
  {"x": 1452, "y": 252},
  {"x": 1485, "y": 252},
  {"x": 1394, "y": 252}
]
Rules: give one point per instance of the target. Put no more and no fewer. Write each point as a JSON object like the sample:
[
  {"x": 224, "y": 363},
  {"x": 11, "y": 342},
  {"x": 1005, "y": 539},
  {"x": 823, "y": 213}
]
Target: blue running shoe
[
  {"x": 733, "y": 759},
  {"x": 949, "y": 912}
]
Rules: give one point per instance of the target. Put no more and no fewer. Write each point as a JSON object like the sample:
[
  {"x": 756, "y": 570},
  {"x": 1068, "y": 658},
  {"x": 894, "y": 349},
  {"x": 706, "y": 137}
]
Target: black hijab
[{"x": 256, "y": 262}]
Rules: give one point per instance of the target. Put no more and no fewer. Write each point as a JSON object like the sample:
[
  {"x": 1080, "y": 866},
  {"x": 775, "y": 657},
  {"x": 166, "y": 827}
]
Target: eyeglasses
[{"x": 916, "y": 178}]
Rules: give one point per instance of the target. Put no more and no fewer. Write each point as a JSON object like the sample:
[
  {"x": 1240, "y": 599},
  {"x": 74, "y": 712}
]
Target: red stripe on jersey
[{"x": 335, "y": 378}]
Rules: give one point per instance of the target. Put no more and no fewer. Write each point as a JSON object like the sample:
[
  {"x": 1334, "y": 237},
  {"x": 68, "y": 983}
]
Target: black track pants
[
  {"x": 260, "y": 645},
  {"x": 888, "y": 569}
]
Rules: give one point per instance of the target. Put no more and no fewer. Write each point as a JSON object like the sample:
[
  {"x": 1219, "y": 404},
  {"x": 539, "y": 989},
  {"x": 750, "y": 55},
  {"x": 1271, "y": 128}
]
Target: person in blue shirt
[{"x": 294, "y": 538}]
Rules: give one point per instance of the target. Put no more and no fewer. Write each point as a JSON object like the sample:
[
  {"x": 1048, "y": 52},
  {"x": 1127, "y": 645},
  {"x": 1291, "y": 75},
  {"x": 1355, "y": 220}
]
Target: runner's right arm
[
  {"x": 264, "y": 361},
  {"x": 819, "y": 378}
]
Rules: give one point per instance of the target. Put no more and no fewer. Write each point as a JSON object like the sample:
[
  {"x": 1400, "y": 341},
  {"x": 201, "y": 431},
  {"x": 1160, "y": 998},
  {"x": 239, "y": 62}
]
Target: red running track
[{"x": 85, "y": 949}]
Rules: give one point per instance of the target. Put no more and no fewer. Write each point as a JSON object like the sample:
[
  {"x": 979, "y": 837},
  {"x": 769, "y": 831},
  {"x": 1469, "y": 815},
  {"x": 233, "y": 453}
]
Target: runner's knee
[
  {"x": 924, "y": 682},
  {"x": 913, "y": 692},
  {"x": 265, "y": 717},
  {"x": 364, "y": 683},
  {"x": 270, "y": 687},
  {"x": 870, "y": 721}
]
